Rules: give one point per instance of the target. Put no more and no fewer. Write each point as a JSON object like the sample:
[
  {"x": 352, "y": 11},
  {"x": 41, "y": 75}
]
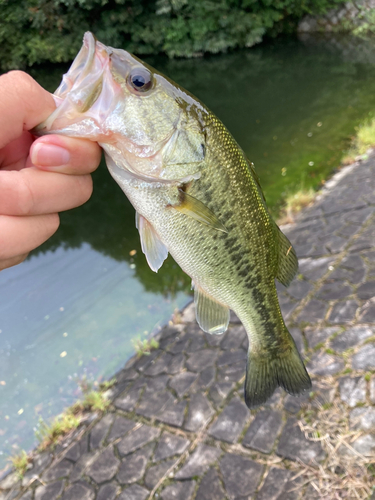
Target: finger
[
  {"x": 13, "y": 155},
  {"x": 20, "y": 235},
  {"x": 65, "y": 154},
  {"x": 13, "y": 261},
  {"x": 23, "y": 105},
  {"x": 33, "y": 192}
]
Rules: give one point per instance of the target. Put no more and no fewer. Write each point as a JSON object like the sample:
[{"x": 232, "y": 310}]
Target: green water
[{"x": 73, "y": 307}]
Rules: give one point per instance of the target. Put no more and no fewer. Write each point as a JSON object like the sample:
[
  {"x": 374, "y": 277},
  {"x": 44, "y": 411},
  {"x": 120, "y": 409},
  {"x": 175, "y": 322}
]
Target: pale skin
[{"x": 38, "y": 177}]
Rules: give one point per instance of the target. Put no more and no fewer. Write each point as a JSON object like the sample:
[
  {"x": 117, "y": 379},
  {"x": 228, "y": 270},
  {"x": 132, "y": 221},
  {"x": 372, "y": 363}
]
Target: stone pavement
[{"x": 178, "y": 427}]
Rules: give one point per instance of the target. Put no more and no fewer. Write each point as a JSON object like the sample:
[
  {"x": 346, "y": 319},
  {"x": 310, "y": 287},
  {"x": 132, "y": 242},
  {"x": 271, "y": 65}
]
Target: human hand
[{"x": 38, "y": 178}]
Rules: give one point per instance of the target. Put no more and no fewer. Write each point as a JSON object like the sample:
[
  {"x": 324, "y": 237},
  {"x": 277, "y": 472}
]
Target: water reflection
[{"x": 291, "y": 106}]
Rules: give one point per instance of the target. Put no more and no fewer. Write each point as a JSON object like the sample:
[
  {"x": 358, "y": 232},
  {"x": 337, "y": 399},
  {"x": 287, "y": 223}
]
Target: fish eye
[{"x": 140, "y": 80}]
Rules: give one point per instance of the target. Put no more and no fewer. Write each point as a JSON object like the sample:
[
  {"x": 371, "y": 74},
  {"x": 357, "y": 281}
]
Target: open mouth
[{"x": 81, "y": 88}]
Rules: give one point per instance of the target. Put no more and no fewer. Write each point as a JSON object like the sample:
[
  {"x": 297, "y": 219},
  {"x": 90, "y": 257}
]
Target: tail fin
[{"x": 265, "y": 373}]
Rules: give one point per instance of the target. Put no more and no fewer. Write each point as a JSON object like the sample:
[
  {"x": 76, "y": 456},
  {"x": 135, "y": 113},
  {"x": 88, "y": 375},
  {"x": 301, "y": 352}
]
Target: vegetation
[
  {"x": 49, "y": 434},
  {"x": 294, "y": 203},
  {"x": 20, "y": 463},
  {"x": 34, "y": 31},
  {"x": 364, "y": 140},
  {"x": 144, "y": 347}
]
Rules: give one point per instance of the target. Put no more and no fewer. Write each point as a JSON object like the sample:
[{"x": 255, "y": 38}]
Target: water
[{"x": 73, "y": 307}]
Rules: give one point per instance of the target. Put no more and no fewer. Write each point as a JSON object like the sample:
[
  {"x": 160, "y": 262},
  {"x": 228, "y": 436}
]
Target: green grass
[
  {"x": 144, "y": 347},
  {"x": 20, "y": 463},
  {"x": 364, "y": 140},
  {"x": 294, "y": 203}
]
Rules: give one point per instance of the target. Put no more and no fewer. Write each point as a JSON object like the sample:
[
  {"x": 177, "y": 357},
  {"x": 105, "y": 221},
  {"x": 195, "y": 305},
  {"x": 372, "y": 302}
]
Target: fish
[{"x": 196, "y": 196}]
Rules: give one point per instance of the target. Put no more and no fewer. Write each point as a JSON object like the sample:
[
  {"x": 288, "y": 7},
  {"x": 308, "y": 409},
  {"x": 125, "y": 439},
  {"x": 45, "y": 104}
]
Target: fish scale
[{"x": 196, "y": 197}]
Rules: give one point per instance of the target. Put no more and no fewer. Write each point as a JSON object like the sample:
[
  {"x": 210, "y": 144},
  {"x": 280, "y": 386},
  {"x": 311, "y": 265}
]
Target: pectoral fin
[
  {"x": 194, "y": 208},
  {"x": 155, "y": 251},
  {"x": 211, "y": 316}
]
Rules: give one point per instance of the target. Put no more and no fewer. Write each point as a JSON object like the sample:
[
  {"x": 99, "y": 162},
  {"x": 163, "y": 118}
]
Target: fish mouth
[{"x": 81, "y": 88}]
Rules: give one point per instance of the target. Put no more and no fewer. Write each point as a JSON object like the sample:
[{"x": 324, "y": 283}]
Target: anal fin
[
  {"x": 154, "y": 249},
  {"x": 211, "y": 316},
  {"x": 288, "y": 263}
]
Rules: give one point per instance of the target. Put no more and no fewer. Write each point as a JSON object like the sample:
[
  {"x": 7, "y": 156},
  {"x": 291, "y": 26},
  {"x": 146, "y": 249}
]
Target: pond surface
[{"x": 72, "y": 309}]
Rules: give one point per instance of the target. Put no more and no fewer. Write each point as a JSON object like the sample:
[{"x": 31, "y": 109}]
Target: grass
[
  {"x": 294, "y": 203},
  {"x": 344, "y": 473},
  {"x": 20, "y": 463},
  {"x": 97, "y": 401},
  {"x": 364, "y": 140},
  {"x": 144, "y": 347}
]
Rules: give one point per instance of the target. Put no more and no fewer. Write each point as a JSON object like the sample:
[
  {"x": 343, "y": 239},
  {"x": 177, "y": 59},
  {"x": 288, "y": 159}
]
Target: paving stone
[
  {"x": 299, "y": 289},
  {"x": 298, "y": 339},
  {"x": 231, "y": 374},
  {"x": 145, "y": 361},
  {"x": 133, "y": 466},
  {"x": 274, "y": 485},
  {"x": 80, "y": 466},
  {"x": 210, "y": 487},
  {"x": 58, "y": 470},
  {"x": 128, "y": 400},
  {"x": 363, "y": 418},
  {"x": 49, "y": 491},
  {"x": 343, "y": 312},
  {"x": 154, "y": 474},
  {"x": 241, "y": 475},
  {"x": 287, "y": 306},
  {"x": 178, "y": 491},
  {"x": 100, "y": 431},
  {"x": 315, "y": 310},
  {"x": 200, "y": 410},
  {"x": 263, "y": 431},
  {"x": 173, "y": 413},
  {"x": 314, "y": 269},
  {"x": 230, "y": 422},
  {"x": 137, "y": 439},
  {"x": 160, "y": 365},
  {"x": 134, "y": 492},
  {"x": 104, "y": 467},
  {"x": 197, "y": 343},
  {"x": 366, "y": 291},
  {"x": 78, "y": 448},
  {"x": 372, "y": 390},
  {"x": 199, "y": 462},
  {"x": 323, "y": 364},
  {"x": 152, "y": 403},
  {"x": 365, "y": 445},
  {"x": 170, "y": 445},
  {"x": 236, "y": 335},
  {"x": 351, "y": 269},
  {"x": 293, "y": 444},
  {"x": 120, "y": 427},
  {"x": 40, "y": 463},
  {"x": 198, "y": 361},
  {"x": 179, "y": 346},
  {"x": 351, "y": 337},
  {"x": 364, "y": 359},
  {"x": 352, "y": 390},
  {"x": 315, "y": 336},
  {"x": 182, "y": 382},
  {"x": 156, "y": 384},
  {"x": 177, "y": 364},
  {"x": 220, "y": 391},
  {"x": 367, "y": 312},
  {"x": 79, "y": 491},
  {"x": 206, "y": 377},
  {"x": 237, "y": 357},
  {"x": 108, "y": 491},
  {"x": 333, "y": 291},
  {"x": 27, "y": 496}
]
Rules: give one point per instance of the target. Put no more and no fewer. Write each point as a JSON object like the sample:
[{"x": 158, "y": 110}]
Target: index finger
[{"x": 23, "y": 105}]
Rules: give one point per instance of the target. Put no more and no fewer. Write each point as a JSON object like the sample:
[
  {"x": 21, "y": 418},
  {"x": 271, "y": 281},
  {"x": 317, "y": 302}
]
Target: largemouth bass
[{"x": 196, "y": 196}]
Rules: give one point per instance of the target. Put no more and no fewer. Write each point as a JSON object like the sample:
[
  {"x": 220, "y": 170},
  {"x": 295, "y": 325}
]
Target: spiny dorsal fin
[
  {"x": 288, "y": 263},
  {"x": 153, "y": 248},
  {"x": 197, "y": 210},
  {"x": 211, "y": 316}
]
